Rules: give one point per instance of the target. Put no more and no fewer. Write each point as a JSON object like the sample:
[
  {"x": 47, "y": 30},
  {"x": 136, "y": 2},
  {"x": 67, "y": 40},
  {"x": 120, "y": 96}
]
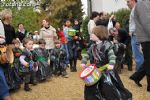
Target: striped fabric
[{"x": 111, "y": 57}]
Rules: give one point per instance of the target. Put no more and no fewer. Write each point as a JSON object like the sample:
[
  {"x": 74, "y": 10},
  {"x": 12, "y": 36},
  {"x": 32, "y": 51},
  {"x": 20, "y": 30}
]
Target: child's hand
[
  {"x": 83, "y": 65},
  {"x": 27, "y": 65},
  {"x": 75, "y": 37},
  {"x": 110, "y": 67},
  {"x": 112, "y": 16},
  {"x": 35, "y": 64}
]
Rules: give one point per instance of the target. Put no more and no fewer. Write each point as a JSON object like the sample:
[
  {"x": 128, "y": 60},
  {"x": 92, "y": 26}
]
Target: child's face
[
  {"x": 42, "y": 46},
  {"x": 76, "y": 22},
  {"x": 17, "y": 45},
  {"x": 94, "y": 37},
  {"x": 68, "y": 23},
  {"x": 36, "y": 33},
  {"x": 58, "y": 45},
  {"x": 29, "y": 45}
]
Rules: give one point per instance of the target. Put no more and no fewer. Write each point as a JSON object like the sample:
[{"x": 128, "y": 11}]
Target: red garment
[
  {"x": 17, "y": 54},
  {"x": 62, "y": 37}
]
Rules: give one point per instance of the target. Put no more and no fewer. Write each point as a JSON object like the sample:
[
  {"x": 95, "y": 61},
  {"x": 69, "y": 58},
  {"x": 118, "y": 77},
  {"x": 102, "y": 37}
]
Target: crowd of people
[
  {"x": 49, "y": 51},
  {"x": 106, "y": 35},
  {"x": 38, "y": 56}
]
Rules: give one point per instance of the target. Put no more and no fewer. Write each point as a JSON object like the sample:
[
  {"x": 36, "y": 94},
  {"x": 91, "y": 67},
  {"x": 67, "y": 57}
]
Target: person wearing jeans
[
  {"x": 135, "y": 45},
  {"x": 4, "y": 90},
  {"x": 137, "y": 52}
]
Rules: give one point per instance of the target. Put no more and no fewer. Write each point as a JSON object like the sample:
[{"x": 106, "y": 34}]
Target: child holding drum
[{"x": 109, "y": 86}]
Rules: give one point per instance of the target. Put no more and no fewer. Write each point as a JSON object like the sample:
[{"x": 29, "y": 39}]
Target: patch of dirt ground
[{"x": 72, "y": 88}]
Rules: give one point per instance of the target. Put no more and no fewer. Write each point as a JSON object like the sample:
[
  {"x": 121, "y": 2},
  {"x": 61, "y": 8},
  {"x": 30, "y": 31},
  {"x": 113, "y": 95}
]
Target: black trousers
[
  {"x": 128, "y": 55},
  {"x": 145, "y": 69}
]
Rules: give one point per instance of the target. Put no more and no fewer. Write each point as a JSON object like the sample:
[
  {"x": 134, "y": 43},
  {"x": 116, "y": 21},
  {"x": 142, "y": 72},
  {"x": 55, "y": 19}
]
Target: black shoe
[
  {"x": 130, "y": 69},
  {"x": 136, "y": 81},
  {"x": 33, "y": 83},
  {"x": 65, "y": 76},
  {"x": 27, "y": 88},
  {"x": 73, "y": 70},
  {"x": 148, "y": 90}
]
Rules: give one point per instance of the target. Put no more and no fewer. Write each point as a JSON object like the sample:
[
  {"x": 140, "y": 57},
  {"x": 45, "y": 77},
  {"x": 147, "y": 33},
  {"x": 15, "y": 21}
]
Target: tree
[
  {"x": 28, "y": 17},
  {"x": 84, "y": 28},
  {"x": 122, "y": 15},
  {"x": 63, "y": 9},
  {"x": 56, "y": 10}
]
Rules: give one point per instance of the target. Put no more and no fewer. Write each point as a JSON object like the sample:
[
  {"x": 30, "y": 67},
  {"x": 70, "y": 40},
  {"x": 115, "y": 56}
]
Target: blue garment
[
  {"x": 138, "y": 56},
  {"x": 66, "y": 30},
  {"x": 65, "y": 47},
  {"x": 4, "y": 91}
]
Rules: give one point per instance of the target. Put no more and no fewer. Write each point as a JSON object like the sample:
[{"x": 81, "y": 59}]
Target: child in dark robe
[
  {"x": 58, "y": 56},
  {"x": 41, "y": 56}
]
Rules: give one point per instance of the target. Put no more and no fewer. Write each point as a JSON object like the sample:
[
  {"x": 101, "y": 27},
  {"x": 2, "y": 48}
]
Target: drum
[
  {"x": 90, "y": 75},
  {"x": 72, "y": 32},
  {"x": 6, "y": 55}
]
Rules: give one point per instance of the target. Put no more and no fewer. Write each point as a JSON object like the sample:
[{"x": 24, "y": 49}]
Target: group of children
[
  {"x": 31, "y": 58},
  {"x": 31, "y": 64}
]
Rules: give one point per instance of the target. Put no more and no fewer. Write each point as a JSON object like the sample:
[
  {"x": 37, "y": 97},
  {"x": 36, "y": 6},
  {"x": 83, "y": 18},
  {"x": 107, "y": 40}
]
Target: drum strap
[
  {"x": 41, "y": 59},
  {"x": 95, "y": 56}
]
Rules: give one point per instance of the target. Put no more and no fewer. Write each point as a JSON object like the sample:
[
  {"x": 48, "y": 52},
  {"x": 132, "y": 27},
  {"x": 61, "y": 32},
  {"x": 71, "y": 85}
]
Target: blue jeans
[
  {"x": 65, "y": 47},
  {"x": 137, "y": 54},
  {"x": 4, "y": 90}
]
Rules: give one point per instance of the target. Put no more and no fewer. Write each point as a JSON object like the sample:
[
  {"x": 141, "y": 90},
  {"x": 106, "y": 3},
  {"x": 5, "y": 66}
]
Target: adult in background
[
  {"x": 48, "y": 33},
  {"x": 4, "y": 90},
  {"x": 128, "y": 51},
  {"x": 137, "y": 53},
  {"x": 92, "y": 23},
  {"x": 103, "y": 19},
  {"x": 125, "y": 39},
  {"x": 22, "y": 32},
  {"x": 138, "y": 56},
  {"x": 8, "y": 28},
  {"x": 6, "y": 16},
  {"x": 142, "y": 21},
  {"x": 2, "y": 34}
]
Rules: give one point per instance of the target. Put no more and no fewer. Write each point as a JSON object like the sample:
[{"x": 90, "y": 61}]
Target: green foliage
[
  {"x": 28, "y": 17},
  {"x": 64, "y": 9},
  {"x": 56, "y": 10},
  {"x": 122, "y": 16},
  {"x": 84, "y": 28}
]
